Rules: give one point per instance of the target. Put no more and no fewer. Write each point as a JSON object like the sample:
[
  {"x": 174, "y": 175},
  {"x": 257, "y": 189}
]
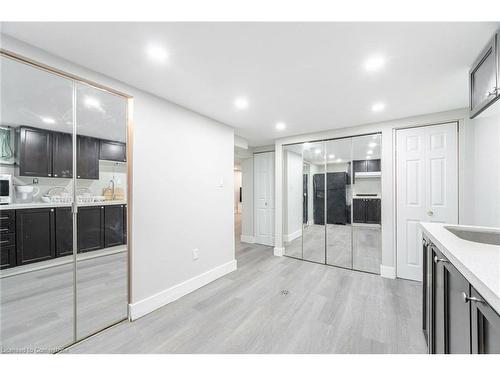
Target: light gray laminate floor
[{"x": 326, "y": 310}]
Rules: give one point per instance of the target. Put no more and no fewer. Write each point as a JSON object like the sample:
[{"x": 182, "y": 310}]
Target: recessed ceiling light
[
  {"x": 48, "y": 120},
  {"x": 369, "y": 152},
  {"x": 306, "y": 145},
  {"x": 92, "y": 102},
  {"x": 374, "y": 63},
  {"x": 377, "y": 107},
  {"x": 280, "y": 126},
  {"x": 156, "y": 53},
  {"x": 317, "y": 151},
  {"x": 331, "y": 156},
  {"x": 339, "y": 160},
  {"x": 241, "y": 103},
  {"x": 368, "y": 157},
  {"x": 372, "y": 144}
]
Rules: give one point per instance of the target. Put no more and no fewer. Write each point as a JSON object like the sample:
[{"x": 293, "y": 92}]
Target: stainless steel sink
[{"x": 490, "y": 237}]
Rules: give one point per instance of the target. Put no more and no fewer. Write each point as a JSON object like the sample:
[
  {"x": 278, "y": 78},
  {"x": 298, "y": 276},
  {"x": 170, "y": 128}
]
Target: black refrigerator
[{"x": 337, "y": 209}]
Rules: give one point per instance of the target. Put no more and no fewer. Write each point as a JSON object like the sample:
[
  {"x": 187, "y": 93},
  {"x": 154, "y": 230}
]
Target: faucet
[{"x": 112, "y": 187}]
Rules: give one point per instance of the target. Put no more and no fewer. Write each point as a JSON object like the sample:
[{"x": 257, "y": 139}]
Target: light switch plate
[{"x": 196, "y": 254}]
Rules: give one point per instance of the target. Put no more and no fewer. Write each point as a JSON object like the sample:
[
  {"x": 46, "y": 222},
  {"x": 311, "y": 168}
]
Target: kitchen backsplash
[{"x": 107, "y": 171}]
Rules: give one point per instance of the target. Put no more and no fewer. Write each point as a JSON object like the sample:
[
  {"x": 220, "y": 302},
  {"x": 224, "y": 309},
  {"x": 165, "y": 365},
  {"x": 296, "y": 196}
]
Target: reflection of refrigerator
[{"x": 336, "y": 210}]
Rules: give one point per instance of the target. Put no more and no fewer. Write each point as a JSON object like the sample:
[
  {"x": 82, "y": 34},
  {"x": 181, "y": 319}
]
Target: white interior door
[
  {"x": 427, "y": 188},
  {"x": 264, "y": 198}
]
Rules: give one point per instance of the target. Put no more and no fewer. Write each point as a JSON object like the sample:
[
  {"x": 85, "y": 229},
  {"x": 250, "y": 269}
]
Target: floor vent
[{"x": 284, "y": 292}]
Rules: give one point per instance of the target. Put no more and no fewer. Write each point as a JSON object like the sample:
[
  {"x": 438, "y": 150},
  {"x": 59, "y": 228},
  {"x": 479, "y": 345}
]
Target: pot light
[
  {"x": 306, "y": 146},
  {"x": 92, "y": 102},
  {"x": 372, "y": 144},
  {"x": 368, "y": 157},
  {"x": 241, "y": 103},
  {"x": 339, "y": 160},
  {"x": 48, "y": 120},
  {"x": 374, "y": 63},
  {"x": 156, "y": 53},
  {"x": 377, "y": 107},
  {"x": 369, "y": 152},
  {"x": 331, "y": 156},
  {"x": 280, "y": 126},
  {"x": 317, "y": 151}
]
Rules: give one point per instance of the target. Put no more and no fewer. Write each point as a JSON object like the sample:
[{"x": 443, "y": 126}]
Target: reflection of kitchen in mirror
[
  {"x": 43, "y": 232},
  {"x": 366, "y": 203}
]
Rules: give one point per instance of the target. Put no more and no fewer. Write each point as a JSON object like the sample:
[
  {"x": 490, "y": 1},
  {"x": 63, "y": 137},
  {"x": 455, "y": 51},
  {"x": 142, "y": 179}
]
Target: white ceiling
[{"x": 308, "y": 75}]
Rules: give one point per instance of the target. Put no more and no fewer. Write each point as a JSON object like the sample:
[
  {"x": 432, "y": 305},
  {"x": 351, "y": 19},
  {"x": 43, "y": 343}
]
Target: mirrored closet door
[
  {"x": 64, "y": 252},
  {"x": 333, "y": 189}
]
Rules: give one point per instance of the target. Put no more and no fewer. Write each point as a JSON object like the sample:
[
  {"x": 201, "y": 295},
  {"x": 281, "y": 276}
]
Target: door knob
[
  {"x": 430, "y": 213},
  {"x": 466, "y": 298},
  {"x": 493, "y": 92}
]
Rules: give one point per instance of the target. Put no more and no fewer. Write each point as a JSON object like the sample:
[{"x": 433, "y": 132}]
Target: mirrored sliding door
[
  {"x": 63, "y": 218},
  {"x": 338, "y": 203}
]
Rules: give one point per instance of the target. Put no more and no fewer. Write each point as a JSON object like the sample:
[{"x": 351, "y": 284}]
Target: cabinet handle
[
  {"x": 424, "y": 242},
  {"x": 55, "y": 175},
  {"x": 4, "y": 230},
  {"x": 77, "y": 176},
  {"x": 51, "y": 210},
  {"x": 437, "y": 260},
  {"x": 430, "y": 213},
  {"x": 48, "y": 174},
  {"x": 466, "y": 298}
]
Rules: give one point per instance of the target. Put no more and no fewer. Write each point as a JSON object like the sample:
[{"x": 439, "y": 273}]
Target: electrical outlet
[{"x": 196, "y": 254}]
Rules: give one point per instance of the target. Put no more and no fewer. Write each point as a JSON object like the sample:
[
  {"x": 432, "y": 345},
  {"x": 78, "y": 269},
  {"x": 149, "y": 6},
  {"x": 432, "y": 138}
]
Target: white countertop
[
  {"x": 18, "y": 206},
  {"x": 478, "y": 263},
  {"x": 366, "y": 197}
]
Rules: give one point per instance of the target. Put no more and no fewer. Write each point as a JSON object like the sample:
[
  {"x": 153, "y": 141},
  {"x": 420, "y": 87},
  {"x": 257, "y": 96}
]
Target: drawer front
[
  {"x": 7, "y": 216},
  {"x": 7, "y": 239},
  {"x": 7, "y": 227}
]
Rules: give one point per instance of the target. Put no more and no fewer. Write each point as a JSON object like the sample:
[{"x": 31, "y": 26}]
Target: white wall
[
  {"x": 486, "y": 172},
  {"x": 180, "y": 159},
  {"x": 387, "y": 129},
  {"x": 293, "y": 178}
]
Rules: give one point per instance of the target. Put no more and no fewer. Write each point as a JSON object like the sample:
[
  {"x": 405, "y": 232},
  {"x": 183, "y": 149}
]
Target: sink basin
[{"x": 490, "y": 236}]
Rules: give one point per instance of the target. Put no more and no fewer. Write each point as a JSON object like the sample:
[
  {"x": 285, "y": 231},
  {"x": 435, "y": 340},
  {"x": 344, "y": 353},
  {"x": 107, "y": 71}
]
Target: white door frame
[
  {"x": 459, "y": 125},
  {"x": 271, "y": 205}
]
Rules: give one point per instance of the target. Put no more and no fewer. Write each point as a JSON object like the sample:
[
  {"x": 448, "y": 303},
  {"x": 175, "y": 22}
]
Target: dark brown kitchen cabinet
[
  {"x": 90, "y": 228},
  {"x": 114, "y": 225},
  {"x": 366, "y": 211},
  {"x": 456, "y": 310},
  {"x": 113, "y": 151},
  {"x": 372, "y": 165},
  {"x": 7, "y": 239},
  {"x": 35, "y": 152},
  {"x": 485, "y": 326},
  {"x": 62, "y": 155},
  {"x": 456, "y": 318},
  {"x": 484, "y": 78},
  {"x": 35, "y": 235},
  {"x": 87, "y": 158},
  {"x": 64, "y": 231}
]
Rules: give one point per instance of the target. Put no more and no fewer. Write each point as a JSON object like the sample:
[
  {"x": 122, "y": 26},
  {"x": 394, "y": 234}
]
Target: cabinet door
[
  {"x": 114, "y": 225},
  {"x": 457, "y": 314},
  {"x": 88, "y": 158},
  {"x": 373, "y": 211},
  {"x": 90, "y": 228},
  {"x": 114, "y": 151},
  {"x": 359, "y": 210},
  {"x": 62, "y": 155},
  {"x": 483, "y": 79},
  {"x": 7, "y": 256},
  {"x": 359, "y": 166},
  {"x": 35, "y": 235},
  {"x": 64, "y": 231},
  {"x": 485, "y": 326},
  {"x": 373, "y": 165},
  {"x": 437, "y": 326},
  {"x": 35, "y": 152}
]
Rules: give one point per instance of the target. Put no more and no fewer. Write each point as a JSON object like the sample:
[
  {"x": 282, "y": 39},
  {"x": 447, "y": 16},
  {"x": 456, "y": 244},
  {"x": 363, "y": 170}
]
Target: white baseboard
[
  {"x": 279, "y": 251},
  {"x": 147, "y": 305},
  {"x": 247, "y": 239},
  {"x": 388, "y": 272},
  {"x": 290, "y": 237}
]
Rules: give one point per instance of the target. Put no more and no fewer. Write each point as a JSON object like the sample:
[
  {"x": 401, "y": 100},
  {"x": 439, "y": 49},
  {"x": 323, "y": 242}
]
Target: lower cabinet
[
  {"x": 114, "y": 225},
  {"x": 367, "y": 211},
  {"x": 90, "y": 228},
  {"x": 457, "y": 320},
  {"x": 35, "y": 235},
  {"x": 64, "y": 231}
]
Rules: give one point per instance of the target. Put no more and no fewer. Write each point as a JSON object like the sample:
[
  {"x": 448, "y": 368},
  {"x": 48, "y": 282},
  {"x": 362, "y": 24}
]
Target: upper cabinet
[
  {"x": 35, "y": 152},
  {"x": 484, "y": 78},
  {"x": 87, "y": 161},
  {"x": 62, "y": 155},
  {"x": 113, "y": 151}
]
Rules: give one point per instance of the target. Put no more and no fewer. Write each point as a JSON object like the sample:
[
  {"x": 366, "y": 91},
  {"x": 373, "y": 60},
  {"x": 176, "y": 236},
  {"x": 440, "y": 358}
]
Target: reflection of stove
[{"x": 366, "y": 195}]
